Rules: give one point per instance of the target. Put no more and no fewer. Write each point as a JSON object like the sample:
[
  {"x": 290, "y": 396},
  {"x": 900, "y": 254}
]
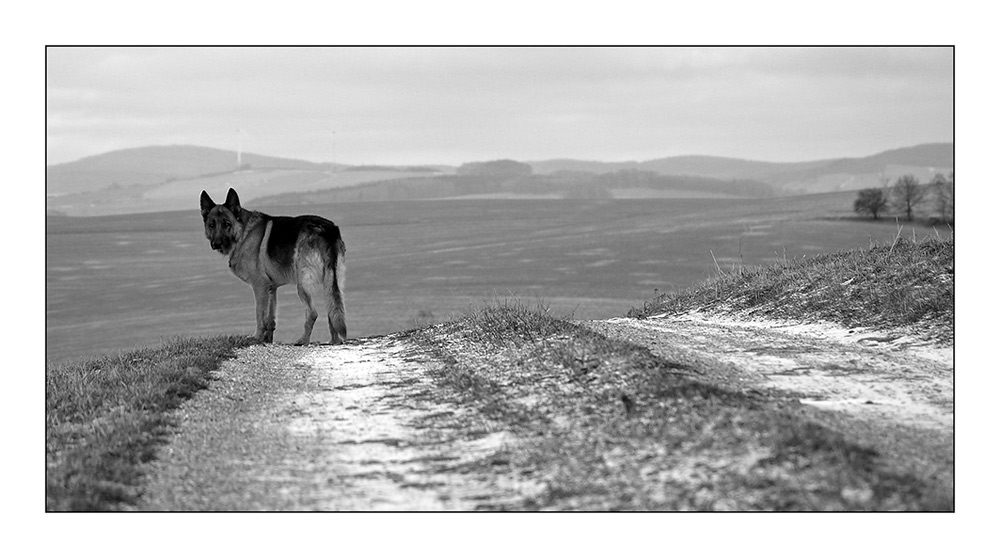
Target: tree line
[{"x": 907, "y": 194}]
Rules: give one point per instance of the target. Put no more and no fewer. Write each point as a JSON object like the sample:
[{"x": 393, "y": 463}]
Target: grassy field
[
  {"x": 105, "y": 417},
  {"x": 119, "y": 282}
]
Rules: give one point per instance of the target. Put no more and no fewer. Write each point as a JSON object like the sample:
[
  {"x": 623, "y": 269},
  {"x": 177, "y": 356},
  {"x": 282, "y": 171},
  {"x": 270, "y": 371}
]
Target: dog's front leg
[
  {"x": 264, "y": 301},
  {"x": 269, "y": 319}
]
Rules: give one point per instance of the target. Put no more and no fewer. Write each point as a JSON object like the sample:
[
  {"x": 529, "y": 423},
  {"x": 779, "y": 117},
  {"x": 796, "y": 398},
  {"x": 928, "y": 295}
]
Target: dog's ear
[
  {"x": 233, "y": 202},
  {"x": 206, "y": 204}
]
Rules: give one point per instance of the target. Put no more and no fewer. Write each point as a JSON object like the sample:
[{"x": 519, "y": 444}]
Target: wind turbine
[
  {"x": 239, "y": 148},
  {"x": 333, "y": 161}
]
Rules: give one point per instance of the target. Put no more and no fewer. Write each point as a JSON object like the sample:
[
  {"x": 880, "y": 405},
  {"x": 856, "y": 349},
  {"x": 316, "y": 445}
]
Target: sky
[{"x": 376, "y": 105}]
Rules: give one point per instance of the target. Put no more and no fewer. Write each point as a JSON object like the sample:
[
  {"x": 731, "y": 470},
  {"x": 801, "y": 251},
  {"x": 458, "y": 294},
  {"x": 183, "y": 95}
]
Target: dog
[{"x": 268, "y": 252}]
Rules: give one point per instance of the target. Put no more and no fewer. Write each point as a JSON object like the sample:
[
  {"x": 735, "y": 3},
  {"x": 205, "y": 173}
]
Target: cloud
[{"x": 451, "y": 105}]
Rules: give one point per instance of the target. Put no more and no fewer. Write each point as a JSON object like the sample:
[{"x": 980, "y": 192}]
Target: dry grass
[
  {"x": 105, "y": 417},
  {"x": 611, "y": 426},
  {"x": 902, "y": 283}
]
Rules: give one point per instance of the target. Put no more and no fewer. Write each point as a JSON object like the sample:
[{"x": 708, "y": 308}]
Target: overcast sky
[{"x": 453, "y": 105}]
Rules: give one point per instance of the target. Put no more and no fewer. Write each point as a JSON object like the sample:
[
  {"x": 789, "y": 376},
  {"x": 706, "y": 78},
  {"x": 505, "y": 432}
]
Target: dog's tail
[{"x": 336, "y": 316}]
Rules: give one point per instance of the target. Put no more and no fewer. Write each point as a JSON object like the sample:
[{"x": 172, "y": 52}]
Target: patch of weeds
[
  {"x": 897, "y": 284},
  {"x": 105, "y": 417},
  {"x": 510, "y": 321}
]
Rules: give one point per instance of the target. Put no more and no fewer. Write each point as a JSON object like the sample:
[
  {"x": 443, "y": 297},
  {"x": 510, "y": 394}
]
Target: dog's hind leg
[
  {"x": 311, "y": 316},
  {"x": 335, "y": 317},
  {"x": 312, "y": 289}
]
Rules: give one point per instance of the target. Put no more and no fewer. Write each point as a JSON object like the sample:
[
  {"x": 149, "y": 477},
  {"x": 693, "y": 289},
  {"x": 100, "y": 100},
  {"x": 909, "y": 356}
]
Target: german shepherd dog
[{"x": 268, "y": 252}]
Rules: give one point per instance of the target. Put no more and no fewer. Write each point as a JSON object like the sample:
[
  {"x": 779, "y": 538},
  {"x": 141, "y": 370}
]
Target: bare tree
[
  {"x": 907, "y": 193},
  {"x": 871, "y": 201},
  {"x": 944, "y": 194}
]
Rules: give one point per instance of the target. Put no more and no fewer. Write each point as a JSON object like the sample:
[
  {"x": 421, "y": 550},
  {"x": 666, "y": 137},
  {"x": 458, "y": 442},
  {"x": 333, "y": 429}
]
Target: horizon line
[{"x": 500, "y": 158}]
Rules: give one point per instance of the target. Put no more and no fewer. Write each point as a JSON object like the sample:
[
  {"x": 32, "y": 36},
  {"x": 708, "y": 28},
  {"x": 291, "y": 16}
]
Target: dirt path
[
  {"x": 889, "y": 391},
  {"x": 364, "y": 427},
  {"x": 354, "y": 427},
  {"x": 876, "y": 377}
]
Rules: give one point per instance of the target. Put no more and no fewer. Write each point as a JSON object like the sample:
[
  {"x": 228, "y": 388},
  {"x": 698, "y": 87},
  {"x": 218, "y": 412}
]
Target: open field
[
  {"x": 118, "y": 282},
  {"x": 177, "y": 194}
]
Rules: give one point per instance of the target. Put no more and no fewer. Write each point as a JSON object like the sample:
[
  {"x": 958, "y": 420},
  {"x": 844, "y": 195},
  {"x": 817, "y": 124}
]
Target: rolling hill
[
  {"x": 160, "y": 178},
  {"x": 154, "y": 165},
  {"x": 163, "y": 178},
  {"x": 826, "y": 175}
]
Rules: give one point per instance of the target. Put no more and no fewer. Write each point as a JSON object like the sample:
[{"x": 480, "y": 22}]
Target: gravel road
[
  {"x": 875, "y": 376},
  {"x": 888, "y": 390},
  {"x": 353, "y": 427},
  {"x": 360, "y": 426}
]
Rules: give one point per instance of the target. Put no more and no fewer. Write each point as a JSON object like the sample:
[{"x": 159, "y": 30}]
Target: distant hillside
[
  {"x": 183, "y": 193},
  {"x": 560, "y": 185},
  {"x": 164, "y": 178},
  {"x": 691, "y": 165},
  {"x": 804, "y": 177},
  {"x": 161, "y": 178},
  {"x": 154, "y": 165}
]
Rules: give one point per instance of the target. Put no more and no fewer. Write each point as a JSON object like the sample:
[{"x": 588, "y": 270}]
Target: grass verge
[
  {"x": 105, "y": 417},
  {"x": 890, "y": 285},
  {"x": 610, "y": 426}
]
